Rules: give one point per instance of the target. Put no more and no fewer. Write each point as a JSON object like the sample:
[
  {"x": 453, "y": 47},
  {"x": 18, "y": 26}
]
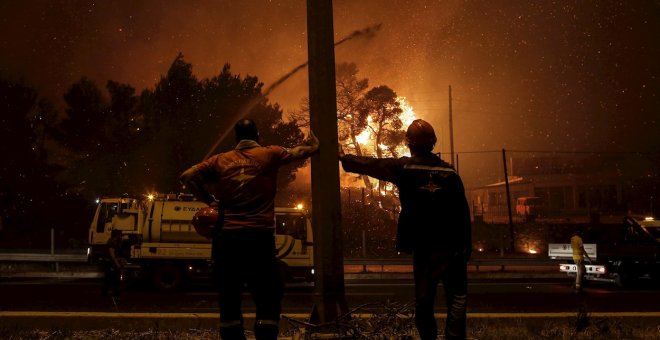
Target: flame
[
  {"x": 364, "y": 137},
  {"x": 407, "y": 117},
  {"x": 408, "y": 114}
]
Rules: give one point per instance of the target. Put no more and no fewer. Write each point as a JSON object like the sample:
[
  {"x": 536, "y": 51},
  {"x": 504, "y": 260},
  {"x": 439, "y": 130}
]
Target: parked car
[{"x": 625, "y": 253}]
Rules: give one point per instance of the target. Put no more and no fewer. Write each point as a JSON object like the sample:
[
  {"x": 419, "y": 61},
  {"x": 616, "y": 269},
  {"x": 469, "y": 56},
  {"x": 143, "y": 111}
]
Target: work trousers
[
  {"x": 581, "y": 269},
  {"x": 429, "y": 269},
  {"x": 247, "y": 258},
  {"x": 111, "y": 281}
]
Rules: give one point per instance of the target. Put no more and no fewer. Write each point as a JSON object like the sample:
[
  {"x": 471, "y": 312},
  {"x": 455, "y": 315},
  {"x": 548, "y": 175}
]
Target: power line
[{"x": 640, "y": 153}]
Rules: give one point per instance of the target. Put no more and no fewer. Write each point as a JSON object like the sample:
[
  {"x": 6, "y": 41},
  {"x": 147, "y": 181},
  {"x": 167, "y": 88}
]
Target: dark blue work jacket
[{"x": 435, "y": 215}]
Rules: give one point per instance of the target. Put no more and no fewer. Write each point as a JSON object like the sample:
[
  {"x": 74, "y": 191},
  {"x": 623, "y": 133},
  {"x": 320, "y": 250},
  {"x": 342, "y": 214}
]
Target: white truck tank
[{"x": 158, "y": 232}]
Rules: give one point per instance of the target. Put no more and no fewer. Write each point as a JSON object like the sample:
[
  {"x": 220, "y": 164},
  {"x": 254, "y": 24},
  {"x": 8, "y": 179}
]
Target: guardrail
[
  {"x": 477, "y": 263},
  {"x": 483, "y": 261},
  {"x": 36, "y": 257},
  {"x": 55, "y": 259}
]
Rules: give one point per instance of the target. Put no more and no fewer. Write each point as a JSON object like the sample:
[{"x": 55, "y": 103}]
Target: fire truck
[
  {"x": 162, "y": 246},
  {"x": 623, "y": 253}
]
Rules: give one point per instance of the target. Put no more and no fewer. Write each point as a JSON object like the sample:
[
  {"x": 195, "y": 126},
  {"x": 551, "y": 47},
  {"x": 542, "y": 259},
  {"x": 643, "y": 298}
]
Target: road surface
[{"x": 485, "y": 296}]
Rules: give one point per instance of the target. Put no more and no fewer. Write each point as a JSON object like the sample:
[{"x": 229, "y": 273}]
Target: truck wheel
[{"x": 167, "y": 278}]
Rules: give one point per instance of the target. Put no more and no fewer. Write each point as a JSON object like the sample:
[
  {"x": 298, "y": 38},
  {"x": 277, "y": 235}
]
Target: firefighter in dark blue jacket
[{"x": 434, "y": 225}]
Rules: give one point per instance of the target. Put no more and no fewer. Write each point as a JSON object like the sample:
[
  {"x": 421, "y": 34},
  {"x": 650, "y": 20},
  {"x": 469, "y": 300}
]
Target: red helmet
[
  {"x": 420, "y": 134},
  {"x": 204, "y": 221}
]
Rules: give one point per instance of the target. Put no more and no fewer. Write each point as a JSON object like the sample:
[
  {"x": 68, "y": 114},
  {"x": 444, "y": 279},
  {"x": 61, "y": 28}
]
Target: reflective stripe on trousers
[
  {"x": 268, "y": 322},
  {"x": 232, "y": 323}
]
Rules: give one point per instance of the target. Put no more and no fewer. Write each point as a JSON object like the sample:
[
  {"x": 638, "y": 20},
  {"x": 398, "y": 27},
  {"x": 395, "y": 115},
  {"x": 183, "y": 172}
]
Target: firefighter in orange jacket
[
  {"x": 434, "y": 225},
  {"x": 243, "y": 251}
]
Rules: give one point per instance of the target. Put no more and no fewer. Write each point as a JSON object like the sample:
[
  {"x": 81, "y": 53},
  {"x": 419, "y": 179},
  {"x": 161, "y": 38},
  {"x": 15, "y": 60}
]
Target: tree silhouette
[
  {"x": 350, "y": 92},
  {"x": 112, "y": 141},
  {"x": 176, "y": 121},
  {"x": 31, "y": 201},
  {"x": 44, "y": 122},
  {"x": 185, "y": 116},
  {"x": 98, "y": 134},
  {"x": 83, "y": 129},
  {"x": 122, "y": 118},
  {"x": 16, "y": 138}
]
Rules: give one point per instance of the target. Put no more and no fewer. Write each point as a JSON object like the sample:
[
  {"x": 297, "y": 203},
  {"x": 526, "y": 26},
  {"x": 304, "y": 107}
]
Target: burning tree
[
  {"x": 382, "y": 109},
  {"x": 383, "y": 112},
  {"x": 386, "y": 115},
  {"x": 370, "y": 123}
]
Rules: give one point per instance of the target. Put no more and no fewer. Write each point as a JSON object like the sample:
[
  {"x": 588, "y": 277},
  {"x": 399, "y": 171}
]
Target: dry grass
[
  {"x": 109, "y": 334},
  {"x": 392, "y": 324},
  {"x": 479, "y": 330},
  {"x": 555, "y": 329}
]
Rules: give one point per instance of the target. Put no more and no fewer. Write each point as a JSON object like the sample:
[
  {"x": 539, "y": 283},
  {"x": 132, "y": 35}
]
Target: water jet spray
[{"x": 368, "y": 32}]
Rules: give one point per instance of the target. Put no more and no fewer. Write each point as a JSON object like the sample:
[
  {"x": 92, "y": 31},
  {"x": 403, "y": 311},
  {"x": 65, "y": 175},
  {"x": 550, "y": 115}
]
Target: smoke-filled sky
[{"x": 541, "y": 75}]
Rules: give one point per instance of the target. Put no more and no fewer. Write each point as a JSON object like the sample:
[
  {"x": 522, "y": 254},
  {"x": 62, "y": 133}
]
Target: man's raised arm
[{"x": 308, "y": 148}]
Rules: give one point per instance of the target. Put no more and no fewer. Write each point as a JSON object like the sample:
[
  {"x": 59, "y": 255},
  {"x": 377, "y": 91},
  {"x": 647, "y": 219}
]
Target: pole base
[{"x": 328, "y": 308}]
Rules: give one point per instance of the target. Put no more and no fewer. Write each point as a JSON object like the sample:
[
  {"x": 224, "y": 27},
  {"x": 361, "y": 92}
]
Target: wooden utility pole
[
  {"x": 451, "y": 129},
  {"x": 456, "y": 165},
  {"x": 508, "y": 201},
  {"x": 329, "y": 296}
]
